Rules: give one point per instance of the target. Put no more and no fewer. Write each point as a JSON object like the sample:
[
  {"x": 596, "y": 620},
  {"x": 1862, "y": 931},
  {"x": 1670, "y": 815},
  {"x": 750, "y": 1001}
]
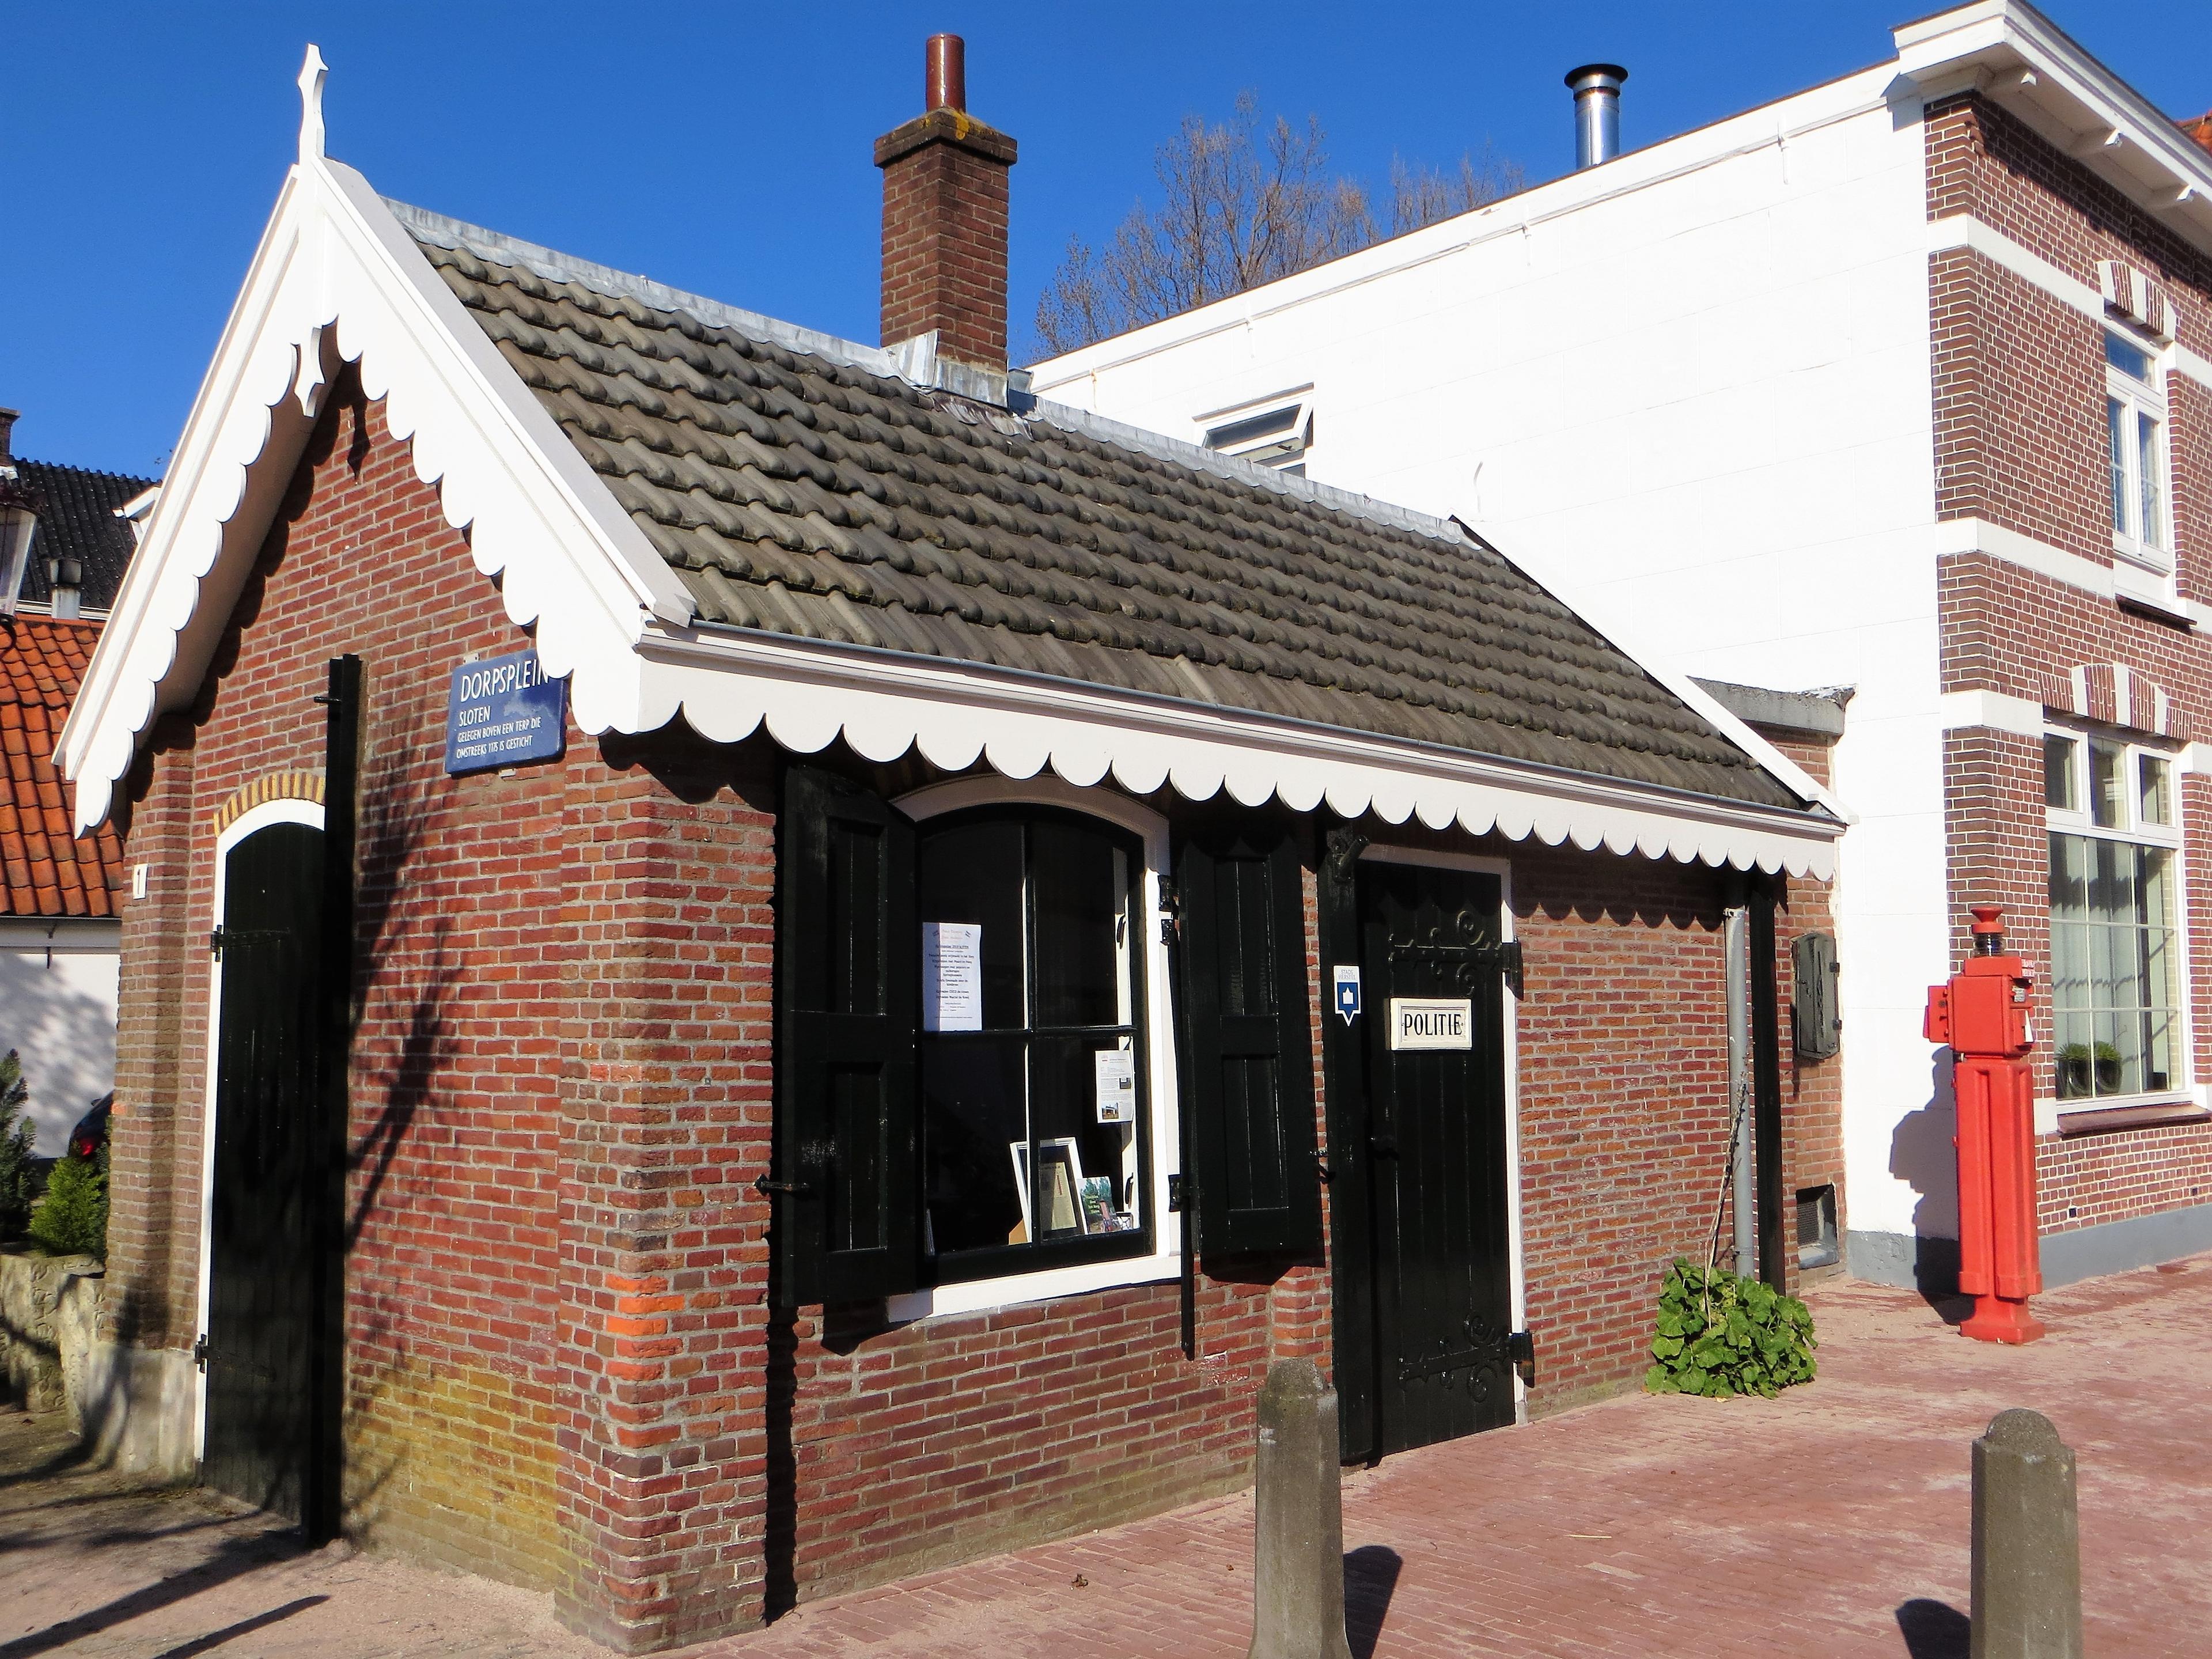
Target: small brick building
[{"x": 767, "y": 963}]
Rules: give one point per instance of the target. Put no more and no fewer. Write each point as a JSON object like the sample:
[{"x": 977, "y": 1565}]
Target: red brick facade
[
  {"x": 562, "y": 1367},
  {"x": 2020, "y": 444}
]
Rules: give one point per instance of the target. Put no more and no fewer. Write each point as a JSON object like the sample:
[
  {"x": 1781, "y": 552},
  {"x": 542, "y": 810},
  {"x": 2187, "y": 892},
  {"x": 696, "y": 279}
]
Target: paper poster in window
[
  {"x": 1114, "y": 1071},
  {"x": 951, "y": 976}
]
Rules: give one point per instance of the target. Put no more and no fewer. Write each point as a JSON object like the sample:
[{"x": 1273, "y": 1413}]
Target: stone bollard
[
  {"x": 1297, "y": 1569},
  {"x": 2028, "y": 1552}
]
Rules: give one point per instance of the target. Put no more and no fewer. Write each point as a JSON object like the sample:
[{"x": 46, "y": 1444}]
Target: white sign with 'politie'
[{"x": 1431, "y": 1023}]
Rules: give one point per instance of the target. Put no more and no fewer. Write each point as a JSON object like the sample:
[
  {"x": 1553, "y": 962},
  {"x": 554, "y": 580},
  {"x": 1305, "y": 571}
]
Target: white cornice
[{"x": 2018, "y": 59}]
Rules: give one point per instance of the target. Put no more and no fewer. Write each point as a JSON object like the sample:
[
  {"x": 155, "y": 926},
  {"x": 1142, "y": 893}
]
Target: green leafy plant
[
  {"x": 18, "y": 1171},
  {"x": 1721, "y": 1335},
  {"x": 2075, "y": 1064},
  {"x": 72, "y": 1218}
]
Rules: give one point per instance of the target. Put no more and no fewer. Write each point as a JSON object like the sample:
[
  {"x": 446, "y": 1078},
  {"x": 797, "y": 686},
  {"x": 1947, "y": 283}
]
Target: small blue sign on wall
[{"x": 504, "y": 712}]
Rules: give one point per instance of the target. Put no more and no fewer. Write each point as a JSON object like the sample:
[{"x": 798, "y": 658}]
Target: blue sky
[{"x": 724, "y": 149}]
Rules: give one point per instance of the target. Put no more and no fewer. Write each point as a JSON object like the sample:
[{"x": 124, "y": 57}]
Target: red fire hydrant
[{"x": 1981, "y": 1013}]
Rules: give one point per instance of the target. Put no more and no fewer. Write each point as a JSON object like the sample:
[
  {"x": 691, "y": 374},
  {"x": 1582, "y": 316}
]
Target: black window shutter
[
  {"x": 848, "y": 958},
  {"x": 1246, "y": 1031}
]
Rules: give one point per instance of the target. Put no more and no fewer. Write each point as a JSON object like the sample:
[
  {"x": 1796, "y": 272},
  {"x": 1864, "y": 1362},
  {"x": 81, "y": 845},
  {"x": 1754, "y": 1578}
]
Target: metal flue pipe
[{"x": 1596, "y": 87}]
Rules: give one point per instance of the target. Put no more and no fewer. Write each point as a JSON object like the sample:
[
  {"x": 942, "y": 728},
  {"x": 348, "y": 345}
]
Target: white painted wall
[
  {"x": 1689, "y": 390},
  {"x": 58, "y": 1002}
]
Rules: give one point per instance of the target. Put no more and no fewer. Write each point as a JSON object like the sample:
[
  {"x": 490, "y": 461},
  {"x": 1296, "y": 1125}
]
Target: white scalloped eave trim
[
  {"x": 1142, "y": 752},
  {"x": 432, "y": 404}
]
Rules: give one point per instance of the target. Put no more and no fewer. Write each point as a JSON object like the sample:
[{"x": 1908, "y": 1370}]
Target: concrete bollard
[
  {"x": 1298, "y": 1569},
  {"x": 2028, "y": 1550}
]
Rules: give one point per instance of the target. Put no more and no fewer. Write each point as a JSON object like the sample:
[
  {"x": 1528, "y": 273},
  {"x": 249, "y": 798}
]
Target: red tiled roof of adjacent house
[
  {"x": 44, "y": 870},
  {"x": 2199, "y": 129}
]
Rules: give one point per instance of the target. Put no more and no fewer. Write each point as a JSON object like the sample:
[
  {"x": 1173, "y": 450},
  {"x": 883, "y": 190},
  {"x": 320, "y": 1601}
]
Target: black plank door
[
  {"x": 1436, "y": 1140},
  {"x": 271, "y": 1173}
]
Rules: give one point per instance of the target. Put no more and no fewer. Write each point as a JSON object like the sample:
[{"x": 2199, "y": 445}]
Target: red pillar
[{"x": 1981, "y": 1013}]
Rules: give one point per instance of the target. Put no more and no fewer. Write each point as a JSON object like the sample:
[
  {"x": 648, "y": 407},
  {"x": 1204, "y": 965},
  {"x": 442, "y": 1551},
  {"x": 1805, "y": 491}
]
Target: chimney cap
[
  {"x": 1596, "y": 77},
  {"x": 944, "y": 73}
]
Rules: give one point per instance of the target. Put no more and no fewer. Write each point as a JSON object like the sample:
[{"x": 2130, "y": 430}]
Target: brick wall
[
  {"x": 2020, "y": 442},
  {"x": 561, "y": 1369}
]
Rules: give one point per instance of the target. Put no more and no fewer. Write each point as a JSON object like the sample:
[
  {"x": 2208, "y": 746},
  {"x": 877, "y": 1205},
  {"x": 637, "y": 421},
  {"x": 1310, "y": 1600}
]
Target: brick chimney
[
  {"x": 944, "y": 220},
  {"x": 2199, "y": 129}
]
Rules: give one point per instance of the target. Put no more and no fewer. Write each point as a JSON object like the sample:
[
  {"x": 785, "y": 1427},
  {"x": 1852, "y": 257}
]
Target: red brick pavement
[
  {"x": 1820, "y": 1523},
  {"x": 1828, "y": 1522}
]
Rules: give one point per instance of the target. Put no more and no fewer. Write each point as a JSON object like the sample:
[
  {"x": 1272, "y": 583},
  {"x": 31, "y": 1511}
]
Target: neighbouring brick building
[
  {"x": 892, "y": 943},
  {"x": 1901, "y": 384},
  {"x": 65, "y": 538}
]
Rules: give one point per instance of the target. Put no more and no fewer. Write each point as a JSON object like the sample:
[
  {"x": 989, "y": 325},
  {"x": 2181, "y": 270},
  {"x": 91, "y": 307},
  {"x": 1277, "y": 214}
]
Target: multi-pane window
[
  {"x": 1276, "y": 431},
  {"x": 1032, "y": 1073},
  {"x": 2115, "y": 966},
  {"x": 2134, "y": 435}
]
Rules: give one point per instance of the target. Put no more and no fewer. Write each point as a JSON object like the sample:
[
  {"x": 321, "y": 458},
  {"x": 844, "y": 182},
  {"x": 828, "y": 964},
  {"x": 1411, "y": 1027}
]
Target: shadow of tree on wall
[{"x": 392, "y": 943}]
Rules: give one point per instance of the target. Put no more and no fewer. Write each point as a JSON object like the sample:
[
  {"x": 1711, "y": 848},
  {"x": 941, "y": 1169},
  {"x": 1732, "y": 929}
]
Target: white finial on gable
[{"x": 313, "y": 73}]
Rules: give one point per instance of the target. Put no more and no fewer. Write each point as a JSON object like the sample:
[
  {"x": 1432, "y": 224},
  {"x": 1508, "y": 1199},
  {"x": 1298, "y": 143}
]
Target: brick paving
[{"x": 1832, "y": 1521}]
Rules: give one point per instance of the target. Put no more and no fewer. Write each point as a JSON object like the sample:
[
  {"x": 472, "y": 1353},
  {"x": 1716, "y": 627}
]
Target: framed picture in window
[{"x": 1059, "y": 1187}]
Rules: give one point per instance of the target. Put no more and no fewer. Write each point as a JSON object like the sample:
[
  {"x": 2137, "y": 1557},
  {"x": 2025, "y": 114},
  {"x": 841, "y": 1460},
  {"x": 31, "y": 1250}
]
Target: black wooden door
[
  {"x": 271, "y": 1173},
  {"x": 1436, "y": 1141}
]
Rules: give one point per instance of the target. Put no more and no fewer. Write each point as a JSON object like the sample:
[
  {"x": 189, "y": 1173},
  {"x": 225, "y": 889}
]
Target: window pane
[
  {"x": 2107, "y": 790},
  {"x": 973, "y": 873},
  {"x": 2151, "y": 795},
  {"x": 2058, "y": 787},
  {"x": 2131, "y": 360},
  {"x": 2146, "y": 472},
  {"x": 2116, "y": 446},
  {"x": 1078, "y": 880},
  {"x": 974, "y": 1116},
  {"x": 2113, "y": 975},
  {"x": 1064, "y": 1105}
]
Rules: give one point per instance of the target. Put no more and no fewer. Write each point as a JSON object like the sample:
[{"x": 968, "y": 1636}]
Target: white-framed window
[
  {"x": 1276, "y": 430},
  {"x": 2111, "y": 808},
  {"x": 2135, "y": 453},
  {"x": 1062, "y": 888}
]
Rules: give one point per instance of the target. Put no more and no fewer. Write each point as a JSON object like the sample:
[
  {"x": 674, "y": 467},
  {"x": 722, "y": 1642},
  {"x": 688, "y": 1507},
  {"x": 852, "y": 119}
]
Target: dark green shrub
[
  {"x": 19, "y": 1183},
  {"x": 1721, "y": 1335},
  {"x": 72, "y": 1218}
]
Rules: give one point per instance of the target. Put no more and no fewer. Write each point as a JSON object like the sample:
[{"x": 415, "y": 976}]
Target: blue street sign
[
  {"x": 1347, "y": 993},
  {"x": 504, "y": 712}
]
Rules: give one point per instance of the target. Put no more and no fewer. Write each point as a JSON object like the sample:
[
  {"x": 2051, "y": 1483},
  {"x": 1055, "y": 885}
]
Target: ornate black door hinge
[
  {"x": 200, "y": 1351},
  {"x": 1171, "y": 913},
  {"x": 763, "y": 1186},
  {"x": 215, "y": 945}
]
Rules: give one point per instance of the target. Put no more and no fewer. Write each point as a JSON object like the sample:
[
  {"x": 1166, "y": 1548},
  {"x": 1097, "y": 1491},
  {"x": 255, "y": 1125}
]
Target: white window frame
[
  {"x": 1165, "y": 1262},
  {"x": 2130, "y": 830},
  {"x": 1292, "y": 452},
  {"x": 2138, "y": 399}
]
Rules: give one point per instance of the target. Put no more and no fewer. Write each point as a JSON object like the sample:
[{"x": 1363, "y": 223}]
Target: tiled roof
[
  {"x": 803, "y": 495},
  {"x": 43, "y": 870},
  {"x": 2200, "y": 130},
  {"x": 77, "y": 518}
]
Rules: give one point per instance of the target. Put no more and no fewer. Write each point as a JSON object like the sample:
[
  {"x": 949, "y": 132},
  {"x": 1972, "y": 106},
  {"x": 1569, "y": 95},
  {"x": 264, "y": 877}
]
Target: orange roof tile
[{"x": 44, "y": 870}]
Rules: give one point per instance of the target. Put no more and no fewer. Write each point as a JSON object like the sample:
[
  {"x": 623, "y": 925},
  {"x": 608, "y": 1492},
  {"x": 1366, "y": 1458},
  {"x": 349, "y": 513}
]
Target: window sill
[
  {"x": 984, "y": 1295},
  {"x": 2145, "y": 1115},
  {"x": 2142, "y": 591}
]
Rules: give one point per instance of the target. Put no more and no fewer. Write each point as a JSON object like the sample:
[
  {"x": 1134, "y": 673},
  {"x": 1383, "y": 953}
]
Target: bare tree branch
[{"x": 1242, "y": 204}]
